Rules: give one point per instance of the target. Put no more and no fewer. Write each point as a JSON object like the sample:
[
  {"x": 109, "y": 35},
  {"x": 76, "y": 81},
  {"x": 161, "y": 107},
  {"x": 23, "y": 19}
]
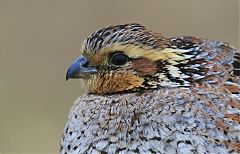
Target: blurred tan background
[{"x": 40, "y": 38}]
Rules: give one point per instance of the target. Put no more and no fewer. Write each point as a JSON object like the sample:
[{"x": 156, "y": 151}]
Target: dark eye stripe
[{"x": 119, "y": 59}]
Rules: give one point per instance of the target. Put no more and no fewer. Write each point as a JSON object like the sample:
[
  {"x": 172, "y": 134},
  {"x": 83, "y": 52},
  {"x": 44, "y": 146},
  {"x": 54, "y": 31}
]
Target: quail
[{"x": 151, "y": 94}]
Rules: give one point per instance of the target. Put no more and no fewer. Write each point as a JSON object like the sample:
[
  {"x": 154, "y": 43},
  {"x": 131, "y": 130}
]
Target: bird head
[{"x": 127, "y": 58}]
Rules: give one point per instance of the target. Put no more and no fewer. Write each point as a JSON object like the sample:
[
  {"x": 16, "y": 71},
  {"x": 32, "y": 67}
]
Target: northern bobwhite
[{"x": 152, "y": 94}]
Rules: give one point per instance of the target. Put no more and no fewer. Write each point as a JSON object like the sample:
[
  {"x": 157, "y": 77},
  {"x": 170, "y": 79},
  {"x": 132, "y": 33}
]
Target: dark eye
[{"x": 119, "y": 59}]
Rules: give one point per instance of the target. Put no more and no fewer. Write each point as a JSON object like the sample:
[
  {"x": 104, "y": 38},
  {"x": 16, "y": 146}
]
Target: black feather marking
[{"x": 236, "y": 64}]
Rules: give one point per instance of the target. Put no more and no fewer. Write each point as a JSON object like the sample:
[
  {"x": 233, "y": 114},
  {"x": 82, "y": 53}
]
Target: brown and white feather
[{"x": 175, "y": 95}]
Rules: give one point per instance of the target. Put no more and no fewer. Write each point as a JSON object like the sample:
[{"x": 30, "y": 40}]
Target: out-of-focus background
[{"x": 40, "y": 38}]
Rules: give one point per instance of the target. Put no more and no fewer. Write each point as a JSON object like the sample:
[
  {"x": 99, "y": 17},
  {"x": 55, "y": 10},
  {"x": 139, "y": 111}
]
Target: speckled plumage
[{"x": 174, "y": 95}]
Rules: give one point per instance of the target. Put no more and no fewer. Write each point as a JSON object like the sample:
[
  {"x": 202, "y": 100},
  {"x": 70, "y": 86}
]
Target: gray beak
[{"x": 80, "y": 69}]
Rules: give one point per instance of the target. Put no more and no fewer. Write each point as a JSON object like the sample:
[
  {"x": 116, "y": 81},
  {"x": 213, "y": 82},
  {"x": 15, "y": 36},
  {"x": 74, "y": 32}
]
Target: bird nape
[{"x": 151, "y": 94}]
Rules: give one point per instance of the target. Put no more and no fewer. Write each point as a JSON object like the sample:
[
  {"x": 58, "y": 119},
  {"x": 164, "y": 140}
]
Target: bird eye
[{"x": 119, "y": 59}]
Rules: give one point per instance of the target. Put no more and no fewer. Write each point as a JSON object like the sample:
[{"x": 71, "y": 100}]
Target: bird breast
[{"x": 163, "y": 121}]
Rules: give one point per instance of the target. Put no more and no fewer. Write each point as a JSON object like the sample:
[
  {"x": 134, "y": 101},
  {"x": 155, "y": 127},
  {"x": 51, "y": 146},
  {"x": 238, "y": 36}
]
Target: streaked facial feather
[{"x": 155, "y": 60}]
